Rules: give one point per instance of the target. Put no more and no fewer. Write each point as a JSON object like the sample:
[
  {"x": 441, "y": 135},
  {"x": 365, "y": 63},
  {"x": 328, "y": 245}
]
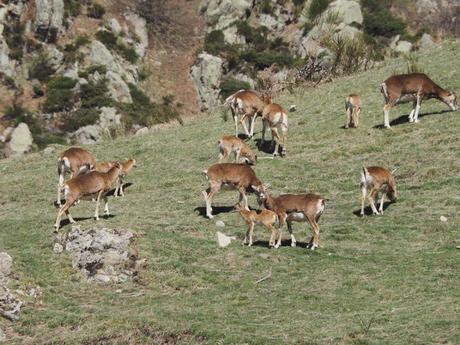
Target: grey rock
[
  {"x": 55, "y": 57},
  {"x": 109, "y": 118},
  {"x": 102, "y": 255},
  {"x": 231, "y": 36},
  {"x": 88, "y": 134},
  {"x": 142, "y": 131},
  {"x": 49, "y": 150},
  {"x": 220, "y": 14},
  {"x": 245, "y": 78},
  {"x": 426, "y": 42},
  {"x": 48, "y": 21},
  {"x": 403, "y": 47},
  {"x": 349, "y": 11},
  {"x": 2, "y": 336},
  {"x": 220, "y": 224},
  {"x": 206, "y": 75},
  {"x": 224, "y": 240},
  {"x": 21, "y": 140},
  {"x": 114, "y": 26},
  {"x": 6, "y": 64},
  {"x": 427, "y": 6},
  {"x": 118, "y": 89}
]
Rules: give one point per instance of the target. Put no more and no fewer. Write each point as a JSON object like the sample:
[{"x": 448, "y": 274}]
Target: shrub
[
  {"x": 378, "y": 20},
  {"x": 111, "y": 41},
  {"x": 413, "y": 65},
  {"x": 14, "y": 36},
  {"x": 229, "y": 86},
  {"x": 267, "y": 58},
  {"x": 214, "y": 42},
  {"x": 60, "y": 94},
  {"x": 71, "y": 8},
  {"x": 146, "y": 113},
  {"x": 38, "y": 92},
  {"x": 255, "y": 36},
  {"x": 94, "y": 94},
  {"x": 40, "y": 68},
  {"x": 298, "y": 2},
  {"x": 7, "y": 81},
  {"x": 317, "y": 7},
  {"x": 266, "y": 7},
  {"x": 96, "y": 11},
  {"x": 80, "y": 118}
]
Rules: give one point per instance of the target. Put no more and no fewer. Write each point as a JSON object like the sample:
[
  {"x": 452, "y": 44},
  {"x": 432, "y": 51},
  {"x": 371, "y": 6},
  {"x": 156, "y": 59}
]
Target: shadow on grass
[
  {"x": 215, "y": 210},
  {"x": 368, "y": 209},
  {"x": 110, "y": 193},
  {"x": 66, "y": 221},
  {"x": 268, "y": 147},
  {"x": 405, "y": 118},
  {"x": 284, "y": 243}
]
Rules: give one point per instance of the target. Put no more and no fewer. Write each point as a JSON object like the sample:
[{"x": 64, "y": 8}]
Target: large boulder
[
  {"x": 348, "y": 11},
  {"x": 21, "y": 140},
  {"x": 88, "y": 134},
  {"x": 118, "y": 89},
  {"x": 426, "y": 42},
  {"x": 109, "y": 119},
  {"x": 206, "y": 75},
  {"x": 403, "y": 47},
  {"x": 49, "y": 15}
]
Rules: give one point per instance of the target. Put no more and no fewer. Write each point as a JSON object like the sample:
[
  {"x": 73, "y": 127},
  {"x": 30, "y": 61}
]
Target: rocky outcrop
[
  {"x": 206, "y": 75},
  {"x": 348, "y": 11},
  {"x": 140, "y": 30},
  {"x": 21, "y": 140},
  {"x": 49, "y": 15},
  {"x": 118, "y": 89},
  {"x": 103, "y": 255}
]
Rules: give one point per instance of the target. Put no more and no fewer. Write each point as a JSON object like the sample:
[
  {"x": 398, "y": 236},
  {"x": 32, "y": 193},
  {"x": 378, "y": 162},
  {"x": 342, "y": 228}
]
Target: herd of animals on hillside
[{"x": 93, "y": 181}]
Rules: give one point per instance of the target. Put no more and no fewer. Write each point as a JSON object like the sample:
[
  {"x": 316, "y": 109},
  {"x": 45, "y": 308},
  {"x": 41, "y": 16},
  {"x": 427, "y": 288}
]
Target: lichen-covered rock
[
  {"x": 10, "y": 305},
  {"x": 55, "y": 57},
  {"x": 102, "y": 255},
  {"x": 49, "y": 15},
  {"x": 220, "y": 14},
  {"x": 206, "y": 75},
  {"x": 21, "y": 140}
]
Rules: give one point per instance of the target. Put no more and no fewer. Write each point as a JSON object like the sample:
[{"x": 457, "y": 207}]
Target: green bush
[
  {"x": 71, "y": 8},
  {"x": 41, "y": 69},
  {"x": 80, "y": 118},
  {"x": 94, "y": 94},
  {"x": 298, "y": 2},
  {"x": 146, "y": 113},
  {"x": 257, "y": 37},
  {"x": 111, "y": 41},
  {"x": 38, "y": 92},
  {"x": 96, "y": 11},
  {"x": 317, "y": 7},
  {"x": 266, "y": 7},
  {"x": 60, "y": 94},
  {"x": 264, "y": 59},
  {"x": 14, "y": 36},
  {"x": 229, "y": 86},
  {"x": 214, "y": 42},
  {"x": 378, "y": 20},
  {"x": 7, "y": 81}
]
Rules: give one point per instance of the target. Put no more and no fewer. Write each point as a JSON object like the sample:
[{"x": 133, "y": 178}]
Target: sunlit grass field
[{"x": 391, "y": 279}]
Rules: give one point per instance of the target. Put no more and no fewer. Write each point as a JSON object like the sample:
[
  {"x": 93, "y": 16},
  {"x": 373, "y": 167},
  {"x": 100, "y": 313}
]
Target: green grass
[{"x": 390, "y": 279}]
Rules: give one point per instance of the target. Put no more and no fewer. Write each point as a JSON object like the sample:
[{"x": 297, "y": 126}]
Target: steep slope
[{"x": 387, "y": 279}]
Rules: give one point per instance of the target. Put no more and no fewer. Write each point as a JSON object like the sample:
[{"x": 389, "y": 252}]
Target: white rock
[
  {"x": 224, "y": 240},
  {"x": 5, "y": 264},
  {"x": 403, "y": 47},
  {"x": 349, "y": 11},
  {"x": 6, "y": 64},
  {"x": 220, "y": 224},
  {"x": 140, "y": 29},
  {"x": 292, "y": 108},
  {"x": 114, "y": 26},
  {"x": 55, "y": 57},
  {"x": 443, "y": 219},
  {"x": 49, "y": 15},
  {"x": 58, "y": 248},
  {"x": 426, "y": 41},
  {"x": 142, "y": 131},
  {"x": 48, "y": 150},
  {"x": 102, "y": 278}
]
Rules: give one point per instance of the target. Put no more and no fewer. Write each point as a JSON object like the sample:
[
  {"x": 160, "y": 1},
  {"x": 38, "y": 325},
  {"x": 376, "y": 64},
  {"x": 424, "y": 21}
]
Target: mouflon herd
[{"x": 91, "y": 180}]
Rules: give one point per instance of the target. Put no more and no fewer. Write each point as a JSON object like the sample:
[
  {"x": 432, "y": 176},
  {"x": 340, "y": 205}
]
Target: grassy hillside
[{"x": 390, "y": 279}]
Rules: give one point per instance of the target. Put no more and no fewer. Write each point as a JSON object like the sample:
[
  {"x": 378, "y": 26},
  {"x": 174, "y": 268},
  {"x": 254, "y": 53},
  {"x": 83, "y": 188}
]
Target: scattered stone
[
  {"x": 58, "y": 248},
  {"x": 114, "y": 26},
  {"x": 220, "y": 224},
  {"x": 102, "y": 255},
  {"x": 292, "y": 108},
  {"x": 48, "y": 150},
  {"x": 224, "y": 240},
  {"x": 443, "y": 219}
]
